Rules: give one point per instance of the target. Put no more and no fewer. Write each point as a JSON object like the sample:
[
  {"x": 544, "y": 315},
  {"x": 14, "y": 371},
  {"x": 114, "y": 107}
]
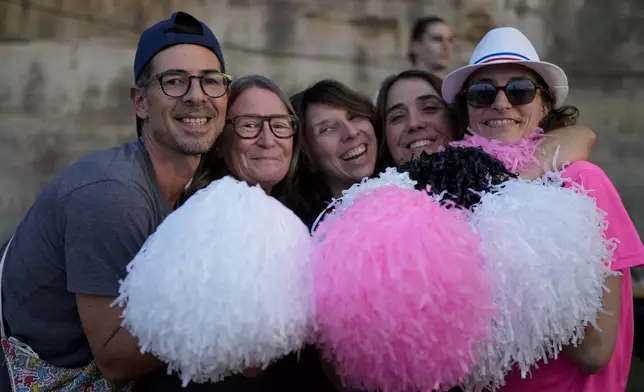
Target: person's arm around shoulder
[
  {"x": 106, "y": 225},
  {"x": 575, "y": 144},
  {"x": 596, "y": 350}
]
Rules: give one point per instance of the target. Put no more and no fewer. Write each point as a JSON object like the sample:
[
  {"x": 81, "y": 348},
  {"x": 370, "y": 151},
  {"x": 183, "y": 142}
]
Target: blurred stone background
[{"x": 66, "y": 65}]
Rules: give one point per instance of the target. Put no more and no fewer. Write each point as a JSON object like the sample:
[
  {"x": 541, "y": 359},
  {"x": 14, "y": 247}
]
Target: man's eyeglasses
[
  {"x": 518, "y": 92},
  {"x": 250, "y": 126},
  {"x": 177, "y": 84}
]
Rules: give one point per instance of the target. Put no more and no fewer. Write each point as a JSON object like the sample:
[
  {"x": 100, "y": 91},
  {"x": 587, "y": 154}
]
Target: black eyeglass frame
[
  {"x": 159, "y": 78},
  {"x": 265, "y": 120}
]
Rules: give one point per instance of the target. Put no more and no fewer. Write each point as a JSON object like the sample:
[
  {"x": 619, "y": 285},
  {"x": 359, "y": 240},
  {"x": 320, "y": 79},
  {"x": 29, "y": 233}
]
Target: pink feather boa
[{"x": 516, "y": 156}]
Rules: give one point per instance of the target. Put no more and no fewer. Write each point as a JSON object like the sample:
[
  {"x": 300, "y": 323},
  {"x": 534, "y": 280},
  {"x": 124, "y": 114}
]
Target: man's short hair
[{"x": 144, "y": 77}]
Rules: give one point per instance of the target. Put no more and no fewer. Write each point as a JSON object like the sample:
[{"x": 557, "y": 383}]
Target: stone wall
[{"x": 67, "y": 64}]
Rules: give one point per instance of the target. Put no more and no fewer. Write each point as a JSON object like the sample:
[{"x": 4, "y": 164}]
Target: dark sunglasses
[{"x": 518, "y": 92}]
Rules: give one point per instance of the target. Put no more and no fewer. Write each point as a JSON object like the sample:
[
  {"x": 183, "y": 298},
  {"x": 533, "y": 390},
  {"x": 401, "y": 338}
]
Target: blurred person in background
[{"x": 431, "y": 46}]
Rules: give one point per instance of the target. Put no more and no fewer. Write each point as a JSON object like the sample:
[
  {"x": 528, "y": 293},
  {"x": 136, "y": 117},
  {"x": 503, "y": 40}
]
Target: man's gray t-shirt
[{"x": 87, "y": 224}]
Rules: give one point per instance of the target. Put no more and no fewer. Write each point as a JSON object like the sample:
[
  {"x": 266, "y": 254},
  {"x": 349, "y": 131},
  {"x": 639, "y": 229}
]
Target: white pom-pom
[
  {"x": 547, "y": 243},
  {"x": 222, "y": 285},
  {"x": 390, "y": 176}
]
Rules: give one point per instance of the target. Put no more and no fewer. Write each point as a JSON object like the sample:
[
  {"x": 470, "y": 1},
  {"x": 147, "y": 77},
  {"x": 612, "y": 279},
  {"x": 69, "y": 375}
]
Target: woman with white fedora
[
  {"x": 505, "y": 53},
  {"x": 507, "y": 93}
]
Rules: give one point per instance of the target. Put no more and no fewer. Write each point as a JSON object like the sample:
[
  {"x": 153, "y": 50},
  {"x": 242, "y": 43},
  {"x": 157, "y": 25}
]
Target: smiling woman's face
[
  {"x": 264, "y": 159},
  {"x": 502, "y": 120},
  {"x": 343, "y": 145},
  {"x": 416, "y": 119}
]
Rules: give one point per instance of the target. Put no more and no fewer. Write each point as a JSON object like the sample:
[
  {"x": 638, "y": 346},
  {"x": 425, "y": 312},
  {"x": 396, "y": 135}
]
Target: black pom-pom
[{"x": 461, "y": 172}]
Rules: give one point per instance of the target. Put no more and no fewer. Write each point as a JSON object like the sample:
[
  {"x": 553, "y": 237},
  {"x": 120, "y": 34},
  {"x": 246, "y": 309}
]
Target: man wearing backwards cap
[{"x": 63, "y": 265}]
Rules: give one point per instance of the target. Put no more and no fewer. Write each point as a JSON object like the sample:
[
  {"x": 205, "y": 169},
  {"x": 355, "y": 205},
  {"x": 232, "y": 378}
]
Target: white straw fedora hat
[{"x": 507, "y": 45}]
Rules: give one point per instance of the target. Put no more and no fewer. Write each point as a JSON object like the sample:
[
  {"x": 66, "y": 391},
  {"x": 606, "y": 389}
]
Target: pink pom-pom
[{"x": 402, "y": 294}]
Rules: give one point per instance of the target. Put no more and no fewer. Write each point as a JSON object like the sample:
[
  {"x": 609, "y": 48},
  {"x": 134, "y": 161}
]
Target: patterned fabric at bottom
[{"x": 29, "y": 373}]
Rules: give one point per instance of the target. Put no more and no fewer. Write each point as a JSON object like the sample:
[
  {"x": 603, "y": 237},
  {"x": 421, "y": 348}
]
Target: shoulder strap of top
[{"x": 4, "y": 256}]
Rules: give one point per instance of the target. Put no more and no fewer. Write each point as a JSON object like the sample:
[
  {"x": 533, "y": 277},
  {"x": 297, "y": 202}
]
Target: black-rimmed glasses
[
  {"x": 249, "y": 126},
  {"x": 177, "y": 84}
]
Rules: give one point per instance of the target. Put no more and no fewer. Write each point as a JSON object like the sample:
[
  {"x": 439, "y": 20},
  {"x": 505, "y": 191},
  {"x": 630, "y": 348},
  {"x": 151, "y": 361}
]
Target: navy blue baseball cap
[{"x": 180, "y": 28}]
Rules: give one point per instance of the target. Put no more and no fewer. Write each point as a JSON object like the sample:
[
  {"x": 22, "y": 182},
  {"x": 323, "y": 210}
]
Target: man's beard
[{"x": 195, "y": 146}]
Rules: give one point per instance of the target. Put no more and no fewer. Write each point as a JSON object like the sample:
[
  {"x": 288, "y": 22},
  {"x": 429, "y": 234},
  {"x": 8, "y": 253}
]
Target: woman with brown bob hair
[{"x": 341, "y": 145}]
